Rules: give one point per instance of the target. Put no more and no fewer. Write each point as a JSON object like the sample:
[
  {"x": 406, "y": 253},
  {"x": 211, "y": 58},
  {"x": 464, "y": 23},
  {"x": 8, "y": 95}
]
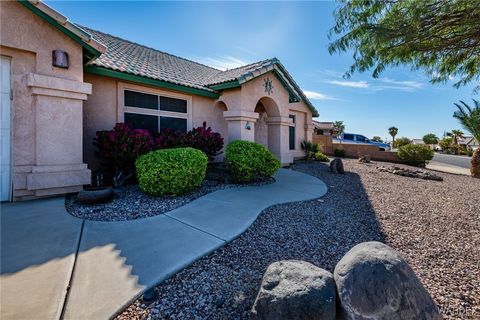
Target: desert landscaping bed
[
  {"x": 130, "y": 203},
  {"x": 433, "y": 224}
]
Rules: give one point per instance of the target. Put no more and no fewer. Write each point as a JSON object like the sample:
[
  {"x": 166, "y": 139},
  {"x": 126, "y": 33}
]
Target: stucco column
[
  {"x": 278, "y": 138},
  {"x": 58, "y": 166},
  {"x": 240, "y": 125},
  {"x": 309, "y": 127}
]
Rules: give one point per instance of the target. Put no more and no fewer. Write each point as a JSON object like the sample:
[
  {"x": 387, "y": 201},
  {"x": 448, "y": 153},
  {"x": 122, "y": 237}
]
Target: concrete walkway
[{"x": 117, "y": 261}]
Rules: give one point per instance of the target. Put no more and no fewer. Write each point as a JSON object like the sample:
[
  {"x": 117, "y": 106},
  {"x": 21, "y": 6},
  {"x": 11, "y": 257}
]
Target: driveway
[{"x": 55, "y": 266}]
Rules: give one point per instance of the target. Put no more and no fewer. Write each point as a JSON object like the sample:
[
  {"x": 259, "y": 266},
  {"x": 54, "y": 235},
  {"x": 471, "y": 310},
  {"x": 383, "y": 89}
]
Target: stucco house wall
[{"x": 46, "y": 105}]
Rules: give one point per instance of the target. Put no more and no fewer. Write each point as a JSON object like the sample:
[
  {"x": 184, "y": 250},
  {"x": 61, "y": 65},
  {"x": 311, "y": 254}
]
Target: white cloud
[
  {"x": 407, "y": 85},
  {"x": 222, "y": 62},
  {"x": 351, "y": 84},
  {"x": 317, "y": 95}
]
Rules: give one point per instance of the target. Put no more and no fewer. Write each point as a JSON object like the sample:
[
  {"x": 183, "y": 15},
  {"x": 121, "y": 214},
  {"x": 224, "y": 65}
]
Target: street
[{"x": 459, "y": 161}]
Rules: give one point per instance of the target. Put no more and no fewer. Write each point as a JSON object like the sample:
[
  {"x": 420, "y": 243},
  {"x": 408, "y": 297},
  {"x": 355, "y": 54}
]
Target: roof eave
[
  {"x": 92, "y": 49},
  {"x": 148, "y": 81}
]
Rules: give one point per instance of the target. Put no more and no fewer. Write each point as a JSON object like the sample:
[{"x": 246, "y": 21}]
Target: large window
[
  {"x": 291, "y": 133},
  {"x": 154, "y": 112}
]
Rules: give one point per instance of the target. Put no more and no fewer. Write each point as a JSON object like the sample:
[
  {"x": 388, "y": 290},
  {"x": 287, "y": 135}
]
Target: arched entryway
[
  {"x": 219, "y": 120},
  {"x": 266, "y": 108}
]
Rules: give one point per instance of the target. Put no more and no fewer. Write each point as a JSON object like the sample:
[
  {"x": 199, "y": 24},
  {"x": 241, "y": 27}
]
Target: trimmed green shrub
[
  {"x": 249, "y": 160},
  {"x": 171, "y": 171},
  {"x": 339, "y": 152},
  {"x": 310, "y": 148},
  {"x": 415, "y": 154},
  {"x": 319, "y": 156}
]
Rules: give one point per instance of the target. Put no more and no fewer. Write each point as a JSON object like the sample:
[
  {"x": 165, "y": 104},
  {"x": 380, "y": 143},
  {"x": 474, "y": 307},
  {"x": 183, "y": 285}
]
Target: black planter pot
[{"x": 95, "y": 195}]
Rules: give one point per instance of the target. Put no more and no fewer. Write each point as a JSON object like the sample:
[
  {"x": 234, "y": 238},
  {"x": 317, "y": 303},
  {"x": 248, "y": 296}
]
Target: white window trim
[{"x": 132, "y": 87}]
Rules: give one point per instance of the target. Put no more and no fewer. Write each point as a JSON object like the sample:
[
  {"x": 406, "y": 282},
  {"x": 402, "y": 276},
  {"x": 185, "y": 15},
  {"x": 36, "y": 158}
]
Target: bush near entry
[
  {"x": 319, "y": 156},
  {"x": 415, "y": 154},
  {"x": 249, "y": 160},
  {"x": 171, "y": 171}
]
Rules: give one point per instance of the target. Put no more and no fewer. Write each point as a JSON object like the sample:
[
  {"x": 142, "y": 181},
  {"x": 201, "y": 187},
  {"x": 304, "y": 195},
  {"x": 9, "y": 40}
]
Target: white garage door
[{"x": 5, "y": 128}]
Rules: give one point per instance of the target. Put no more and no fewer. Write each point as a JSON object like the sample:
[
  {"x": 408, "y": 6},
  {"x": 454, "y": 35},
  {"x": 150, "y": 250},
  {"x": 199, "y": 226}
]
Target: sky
[{"x": 229, "y": 34}]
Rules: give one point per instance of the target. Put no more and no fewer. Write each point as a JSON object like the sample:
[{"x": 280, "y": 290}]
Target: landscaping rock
[
  {"x": 364, "y": 159},
  {"x": 417, "y": 173},
  {"x": 374, "y": 282},
  {"x": 95, "y": 195},
  {"x": 336, "y": 166},
  {"x": 293, "y": 289}
]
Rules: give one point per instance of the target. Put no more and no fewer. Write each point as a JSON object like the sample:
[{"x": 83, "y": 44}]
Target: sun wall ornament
[{"x": 268, "y": 85}]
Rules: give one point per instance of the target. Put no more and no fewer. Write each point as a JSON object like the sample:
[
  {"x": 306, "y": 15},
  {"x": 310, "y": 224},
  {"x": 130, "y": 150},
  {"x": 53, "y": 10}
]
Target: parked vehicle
[{"x": 360, "y": 139}]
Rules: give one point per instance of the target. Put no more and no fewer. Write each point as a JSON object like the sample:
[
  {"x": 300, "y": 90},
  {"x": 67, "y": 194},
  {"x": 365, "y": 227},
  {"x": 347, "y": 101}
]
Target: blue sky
[{"x": 228, "y": 34}]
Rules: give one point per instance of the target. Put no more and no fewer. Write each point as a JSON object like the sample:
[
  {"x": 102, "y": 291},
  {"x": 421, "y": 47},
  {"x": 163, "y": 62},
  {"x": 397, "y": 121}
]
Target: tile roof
[{"x": 132, "y": 58}]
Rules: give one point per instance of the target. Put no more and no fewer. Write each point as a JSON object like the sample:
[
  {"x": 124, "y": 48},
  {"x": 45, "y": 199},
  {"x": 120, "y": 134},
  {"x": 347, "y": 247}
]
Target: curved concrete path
[{"x": 117, "y": 261}]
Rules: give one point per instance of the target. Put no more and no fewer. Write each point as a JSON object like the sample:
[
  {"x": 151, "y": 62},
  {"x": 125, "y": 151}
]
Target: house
[
  {"x": 324, "y": 128},
  {"x": 417, "y": 141},
  {"x": 468, "y": 142},
  {"x": 62, "y": 82}
]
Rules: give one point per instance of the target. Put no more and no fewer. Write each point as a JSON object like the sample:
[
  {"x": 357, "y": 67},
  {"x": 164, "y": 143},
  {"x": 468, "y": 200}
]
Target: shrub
[
  {"x": 203, "y": 138},
  {"x": 310, "y": 148},
  {"x": 118, "y": 149},
  {"x": 402, "y": 142},
  {"x": 415, "y": 154},
  {"x": 248, "y": 160},
  {"x": 319, "y": 156},
  {"x": 339, "y": 152},
  {"x": 171, "y": 171}
]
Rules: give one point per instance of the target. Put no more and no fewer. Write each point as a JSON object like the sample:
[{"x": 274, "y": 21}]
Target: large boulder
[
  {"x": 336, "y": 166},
  {"x": 374, "y": 282},
  {"x": 295, "y": 289}
]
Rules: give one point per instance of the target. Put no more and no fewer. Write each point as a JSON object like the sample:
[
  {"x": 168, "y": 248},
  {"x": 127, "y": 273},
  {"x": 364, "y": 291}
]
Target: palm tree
[
  {"x": 469, "y": 118},
  {"x": 456, "y": 134},
  {"x": 393, "y": 132}
]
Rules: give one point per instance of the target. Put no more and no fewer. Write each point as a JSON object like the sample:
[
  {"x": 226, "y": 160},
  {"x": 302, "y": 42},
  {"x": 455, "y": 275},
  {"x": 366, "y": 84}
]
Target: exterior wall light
[
  {"x": 248, "y": 126},
  {"x": 60, "y": 59}
]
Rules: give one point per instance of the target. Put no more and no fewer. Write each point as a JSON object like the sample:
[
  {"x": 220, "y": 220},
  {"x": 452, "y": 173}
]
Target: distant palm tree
[
  {"x": 393, "y": 132},
  {"x": 456, "y": 134},
  {"x": 469, "y": 118}
]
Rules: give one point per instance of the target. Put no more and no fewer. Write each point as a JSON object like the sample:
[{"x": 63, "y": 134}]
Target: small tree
[
  {"x": 393, "y": 132},
  {"x": 430, "y": 138},
  {"x": 377, "y": 139},
  {"x": 469, "y": 117},
  {"x": 400, "y": 142},
  {"x": 455, "y": 134},
  {"x": 338, "y": 127}
]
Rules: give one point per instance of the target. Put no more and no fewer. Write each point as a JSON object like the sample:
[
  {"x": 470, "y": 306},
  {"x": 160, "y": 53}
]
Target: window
[
  {"x": 291, "y": 133},
  {"x": 348, "y": 136},
  {"x": 361, "y": 138},
  {"x": 154, "y": 112}
]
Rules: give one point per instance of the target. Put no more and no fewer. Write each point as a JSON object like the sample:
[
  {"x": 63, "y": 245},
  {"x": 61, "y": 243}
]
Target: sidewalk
[
  {"x": 117, "y": 261},
  {"x": 447, "y": 168}
]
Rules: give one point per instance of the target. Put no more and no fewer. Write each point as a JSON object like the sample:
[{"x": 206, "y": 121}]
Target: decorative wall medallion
[{"x": 268, "y": 85}]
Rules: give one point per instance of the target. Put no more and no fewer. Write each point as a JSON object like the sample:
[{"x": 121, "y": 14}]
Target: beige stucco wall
[{"x": 46, "y": 105}]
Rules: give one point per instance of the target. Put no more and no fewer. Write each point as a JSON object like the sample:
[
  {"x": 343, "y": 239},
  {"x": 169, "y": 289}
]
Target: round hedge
[
  {"x": 249, "y": 160},
  {"x": 415, "y": 154},
  {"x": 171, "y": 171}
]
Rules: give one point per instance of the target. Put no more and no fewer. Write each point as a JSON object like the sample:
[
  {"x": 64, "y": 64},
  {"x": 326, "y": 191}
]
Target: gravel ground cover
[
  {"x": 131, "y": 203},
  {"x": 433, "y": 224}
]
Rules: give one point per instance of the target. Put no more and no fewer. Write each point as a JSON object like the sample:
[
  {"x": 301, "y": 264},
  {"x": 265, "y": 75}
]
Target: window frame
[
  {"x": 122, "y": 109},
  {"x": 294, "y": 127}
]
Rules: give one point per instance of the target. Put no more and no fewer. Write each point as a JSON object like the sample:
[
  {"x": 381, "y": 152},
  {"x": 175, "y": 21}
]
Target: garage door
[{"x": 5, "y": 128}]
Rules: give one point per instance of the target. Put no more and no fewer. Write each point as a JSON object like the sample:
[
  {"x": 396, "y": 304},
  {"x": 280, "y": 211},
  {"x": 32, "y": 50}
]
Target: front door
[{"x": 5, "y": 130}]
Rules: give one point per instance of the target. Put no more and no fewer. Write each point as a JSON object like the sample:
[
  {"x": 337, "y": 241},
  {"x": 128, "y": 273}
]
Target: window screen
[
  {"x": 142, "y": 121},
  {"x": 141, "y": 100},
  {"x": 172, "y": 104},
  {"x": 291, "y": 134}
]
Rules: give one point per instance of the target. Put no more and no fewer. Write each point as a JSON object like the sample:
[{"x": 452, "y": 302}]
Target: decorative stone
[
  {"x": 374, "y": 282},
  {"x": 336, "y": 166},
  {"x": 364, "y": 159},
  {"x": 293, "y": 289},
  {"x": 417, "y": 173}
]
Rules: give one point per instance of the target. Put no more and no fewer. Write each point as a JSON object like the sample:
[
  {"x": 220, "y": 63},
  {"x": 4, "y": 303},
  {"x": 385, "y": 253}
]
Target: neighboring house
[
  {"x": 62, "y": 82},
  {"x": 468, "y": 142},
  {"x": 417, "y": 141},
  {"x": 324, "y": 128}
]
